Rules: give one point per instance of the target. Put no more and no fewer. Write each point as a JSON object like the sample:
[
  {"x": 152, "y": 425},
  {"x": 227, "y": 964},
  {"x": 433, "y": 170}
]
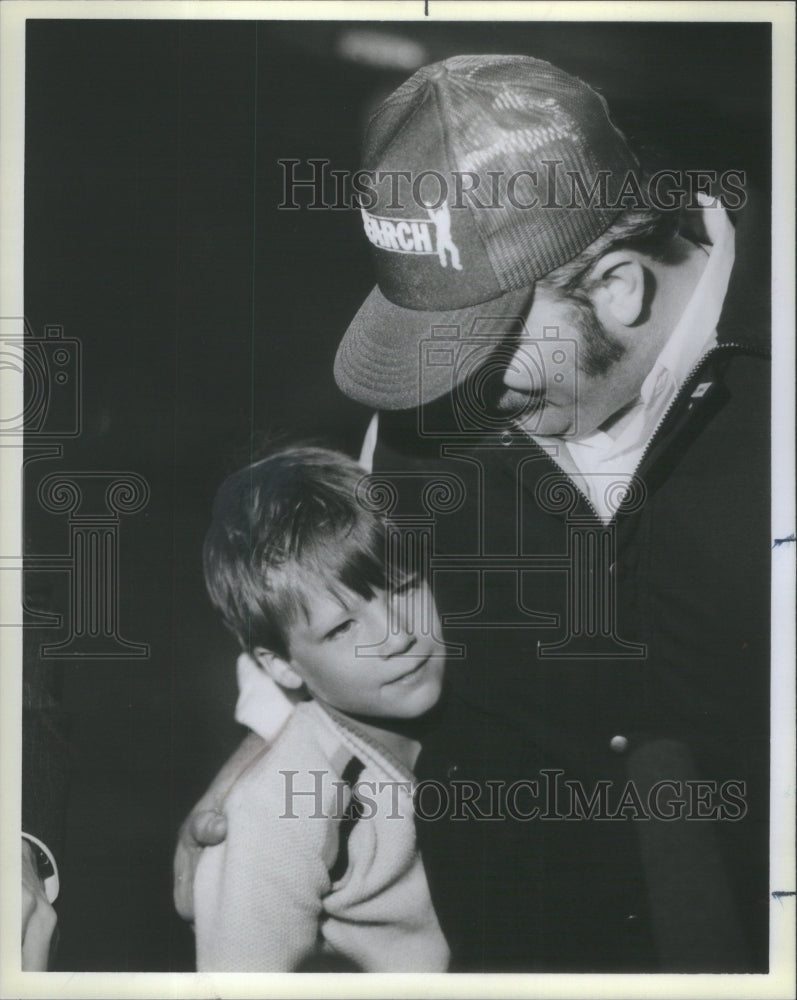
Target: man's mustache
[{"x": 516, "y": 401}]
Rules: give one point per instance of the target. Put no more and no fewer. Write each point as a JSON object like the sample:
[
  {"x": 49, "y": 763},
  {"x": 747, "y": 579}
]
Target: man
[{"x": 592, "y": 385}]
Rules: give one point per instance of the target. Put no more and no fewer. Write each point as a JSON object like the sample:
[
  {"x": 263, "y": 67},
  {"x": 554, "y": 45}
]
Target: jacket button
[
  {"x": 619, "y": 744},
  {"x": 453, "y": 770}
]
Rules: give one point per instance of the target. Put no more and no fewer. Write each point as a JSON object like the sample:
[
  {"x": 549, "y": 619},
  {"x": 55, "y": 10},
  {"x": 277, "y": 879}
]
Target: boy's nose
[
  {"x": 399, "y": 625},
  {"x": 397, "y": 644}
]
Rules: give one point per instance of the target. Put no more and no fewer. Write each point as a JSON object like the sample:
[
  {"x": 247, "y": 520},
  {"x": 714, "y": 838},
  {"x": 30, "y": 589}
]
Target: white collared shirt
[{"x": 604, "y": 459}]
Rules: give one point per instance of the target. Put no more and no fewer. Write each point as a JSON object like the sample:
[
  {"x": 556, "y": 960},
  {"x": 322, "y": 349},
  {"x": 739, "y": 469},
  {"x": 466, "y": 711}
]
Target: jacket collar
[{"x": 745, "y": 317}]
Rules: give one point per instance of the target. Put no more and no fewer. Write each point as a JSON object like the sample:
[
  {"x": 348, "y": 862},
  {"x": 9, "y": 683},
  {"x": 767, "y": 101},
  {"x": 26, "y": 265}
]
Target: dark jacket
[{"x": 664, "y": 677}]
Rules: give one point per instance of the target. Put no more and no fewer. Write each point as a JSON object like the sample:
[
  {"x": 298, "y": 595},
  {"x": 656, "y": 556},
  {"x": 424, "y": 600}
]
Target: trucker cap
[{"x": 467, "y": 197}]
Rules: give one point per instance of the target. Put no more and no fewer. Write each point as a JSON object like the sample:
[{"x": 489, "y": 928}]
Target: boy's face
[{"x": 376, "y": 657}]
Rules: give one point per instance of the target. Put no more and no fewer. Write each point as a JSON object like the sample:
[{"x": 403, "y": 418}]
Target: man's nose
[{"x": 523, "y": 372}]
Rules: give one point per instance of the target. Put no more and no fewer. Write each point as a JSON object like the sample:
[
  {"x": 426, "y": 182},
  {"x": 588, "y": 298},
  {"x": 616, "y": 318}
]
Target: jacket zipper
[
  {"x": 686, "y": 384},
  {"x": 675, "y": 401}
]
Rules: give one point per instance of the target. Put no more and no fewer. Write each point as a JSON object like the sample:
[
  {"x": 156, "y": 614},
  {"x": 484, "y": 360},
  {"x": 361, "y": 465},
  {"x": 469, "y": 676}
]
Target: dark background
[{"x": 209, "y": 320}]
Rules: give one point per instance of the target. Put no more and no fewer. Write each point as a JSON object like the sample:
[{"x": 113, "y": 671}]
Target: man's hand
[
  {"x": 206, "y": 824},
  {"x": 39, "y": 919},
  {"x": 203, "y": 828}
]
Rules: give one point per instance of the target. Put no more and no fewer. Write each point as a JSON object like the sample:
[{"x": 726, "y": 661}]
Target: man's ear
[
  {"x": 278, "y": 670},
  {"x": 618, "y": 288}
]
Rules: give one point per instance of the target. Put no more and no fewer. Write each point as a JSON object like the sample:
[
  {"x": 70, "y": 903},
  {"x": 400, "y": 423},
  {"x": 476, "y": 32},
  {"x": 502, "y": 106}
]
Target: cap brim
[{"x": 393, "y": 358}]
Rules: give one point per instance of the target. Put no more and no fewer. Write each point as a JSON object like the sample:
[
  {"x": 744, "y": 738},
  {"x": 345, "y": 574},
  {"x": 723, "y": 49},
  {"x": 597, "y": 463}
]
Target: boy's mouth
[{"x": 409, "y": 674}]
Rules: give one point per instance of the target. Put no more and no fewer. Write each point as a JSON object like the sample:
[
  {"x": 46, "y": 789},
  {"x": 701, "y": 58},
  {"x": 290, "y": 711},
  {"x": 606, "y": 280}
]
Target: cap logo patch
[{"x": 415, "y": 236}]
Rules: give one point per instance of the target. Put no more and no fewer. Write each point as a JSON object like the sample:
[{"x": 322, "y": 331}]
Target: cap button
[{"x": 436, "y": 72}]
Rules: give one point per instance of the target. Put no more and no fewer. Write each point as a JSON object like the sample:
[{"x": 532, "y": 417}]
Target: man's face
[
  {"x": 585, "y": 390},
  {"x": 376, "y": 657}
]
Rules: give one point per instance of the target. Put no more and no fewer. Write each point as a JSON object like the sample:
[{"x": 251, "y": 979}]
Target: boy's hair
[{"x": 282, "y": 528}]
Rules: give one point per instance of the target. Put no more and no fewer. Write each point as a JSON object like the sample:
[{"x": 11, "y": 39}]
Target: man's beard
[
  {"x": 599, "y": 350},
  {"x": 598, "y": 353}
]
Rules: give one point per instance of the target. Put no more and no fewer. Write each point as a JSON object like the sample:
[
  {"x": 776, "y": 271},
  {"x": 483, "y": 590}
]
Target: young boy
[{"x": 320, "y": 863}]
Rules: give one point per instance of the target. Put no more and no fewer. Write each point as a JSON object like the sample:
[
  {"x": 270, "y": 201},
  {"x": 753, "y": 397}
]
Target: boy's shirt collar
[{"x": 263, "y": 706}]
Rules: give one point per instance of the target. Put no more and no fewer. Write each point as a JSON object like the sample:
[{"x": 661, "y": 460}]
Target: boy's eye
[{"x": 340, "y": 629}]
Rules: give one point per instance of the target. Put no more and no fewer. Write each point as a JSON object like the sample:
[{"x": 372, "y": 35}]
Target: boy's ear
[{"x": 278, "y": 670}]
